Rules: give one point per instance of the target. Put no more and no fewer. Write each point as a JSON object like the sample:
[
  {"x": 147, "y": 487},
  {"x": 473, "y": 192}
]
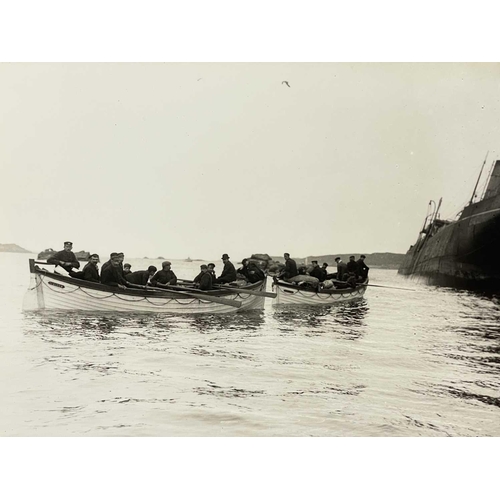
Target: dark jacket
[
  {"x": 352, "y": 267},
  {"x": 228, "y": 273},
  {"x": 112, "y": 276},
  {"x": 317, "y": 273},
  {"x": 290, "y": 269},
  {"x": 362, "y": 268},
  {"x": 64, "y": 256},
  {"x": 205, "y": 280},
  {"x": 91, "y": 272},
  {"x": 252, "y": 272},
  {"x": 164, "y": 277},
  {"x": 138, "y": 277}
]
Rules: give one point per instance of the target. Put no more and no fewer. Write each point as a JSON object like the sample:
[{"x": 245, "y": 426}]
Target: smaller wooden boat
[{"x": 289, "y": 293}]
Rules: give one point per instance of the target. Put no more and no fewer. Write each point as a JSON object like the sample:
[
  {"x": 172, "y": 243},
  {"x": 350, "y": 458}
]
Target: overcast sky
[{"x": 200, "y": 159}]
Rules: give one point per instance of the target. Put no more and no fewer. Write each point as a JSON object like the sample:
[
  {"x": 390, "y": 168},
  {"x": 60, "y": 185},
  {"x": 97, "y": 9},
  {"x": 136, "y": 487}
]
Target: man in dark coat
[
  {"x": 252, "y": 272},
  {"x": 141, "y": 277},
  {"x": 211, "y": 270},
  {"x": 324, "y": 272},
  {"x": 127, "y": 269},
  {"x": 204, "y": 279},
  {"x": 290, "y": 268},
  {"x": 90, "y": 272},
  {"x": 362, "y": 267},
  {"x": 228, "y": 273},
  {"x": 166, "y": 276},
  {"x": 65, "y": 258},
  {"x": 108, "y": 262},
  {"x": 112, "y": 275},
  {"x": 341, "y": 268},
  {"x": 352, "y": 266},
  {"x": 316, "y": 271}
]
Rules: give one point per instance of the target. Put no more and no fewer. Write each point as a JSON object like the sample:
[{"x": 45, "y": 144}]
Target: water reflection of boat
[
  {"x": 288, "y": 293},
  {"x": 51, "y": 291}
]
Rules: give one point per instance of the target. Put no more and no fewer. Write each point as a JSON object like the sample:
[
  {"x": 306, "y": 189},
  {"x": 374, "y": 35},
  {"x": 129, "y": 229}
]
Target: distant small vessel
[
  {"x": 289, "y": 293},
  {"x": 462, "y": 253},
  {"x": 189, "y": 259}
]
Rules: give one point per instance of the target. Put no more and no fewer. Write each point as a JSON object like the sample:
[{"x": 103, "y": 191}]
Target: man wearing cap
[
  {"x": 204, "y": 279},
  {"x": 112, "y": 275},
  {"x": 91, "y": 271},
  {"x": 126, "y": 269},
  {"x": 108, "y": 263},
  {"x": 228, "y": 273},
  {"x": 316, "y": 270},
  {"x": 141, "y": 277},
  {"x": 211, "y": 270},
  {"x": 65, "y": 258},
  {"x": 166, "y": 276},
  {"x": 362, "y": 267}
]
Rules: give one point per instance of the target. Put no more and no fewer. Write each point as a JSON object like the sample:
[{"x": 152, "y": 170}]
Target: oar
[
  {"x": 240, "y": 290},
  {"x": 201, "y": 296},
  {"x": 393, "y": 287},
  {"x": 379, "y": 286}
]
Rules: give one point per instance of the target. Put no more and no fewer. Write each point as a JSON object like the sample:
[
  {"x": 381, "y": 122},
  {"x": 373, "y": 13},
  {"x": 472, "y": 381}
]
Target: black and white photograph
[{"x": 247, "y": 248}]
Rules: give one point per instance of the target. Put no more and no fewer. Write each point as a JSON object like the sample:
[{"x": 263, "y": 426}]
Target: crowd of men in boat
[
  {"x": 115, "y": 273},
  {"x": 349, "y": 274}
]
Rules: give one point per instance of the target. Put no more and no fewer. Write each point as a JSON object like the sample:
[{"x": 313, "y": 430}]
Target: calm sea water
[{"x": 397, "y": 363}]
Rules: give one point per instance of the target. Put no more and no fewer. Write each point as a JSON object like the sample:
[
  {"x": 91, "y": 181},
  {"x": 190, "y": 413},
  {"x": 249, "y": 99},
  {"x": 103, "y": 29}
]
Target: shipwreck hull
[{"x": 463, "y": 254}]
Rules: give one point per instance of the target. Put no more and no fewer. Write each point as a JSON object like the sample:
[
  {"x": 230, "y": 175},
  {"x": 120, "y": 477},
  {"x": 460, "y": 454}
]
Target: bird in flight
[{"x": 284, "y": 82}]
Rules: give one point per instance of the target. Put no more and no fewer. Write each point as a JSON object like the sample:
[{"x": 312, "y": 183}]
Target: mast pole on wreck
[{"x": 480, "y": 173}]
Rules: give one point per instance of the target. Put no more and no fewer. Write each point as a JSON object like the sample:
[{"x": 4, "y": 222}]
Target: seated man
[
  {"x": 112, "y": 275},
  {"x": 141, "y": 277},
  {"x": 352, "y": 265},
  {"x": 255, "y": 273},
  {"x": 211, "y": 269},
  {"x": 324, "y": 271},
  {"x": 290, "y": 269},
  {"x": 228, "y": 273},
  {"x": 166, "y": 276},
  {"x": 126, "y": 269},
  {"x": 316, "y": 271},
  {"x": 204, "y": 281},
  {"x": 90, "y": 272},
  {"x": 65, "y": 258}
]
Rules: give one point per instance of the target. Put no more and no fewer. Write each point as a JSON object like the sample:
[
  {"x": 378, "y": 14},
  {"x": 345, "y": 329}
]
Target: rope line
[{"x": 113, "y": 294}]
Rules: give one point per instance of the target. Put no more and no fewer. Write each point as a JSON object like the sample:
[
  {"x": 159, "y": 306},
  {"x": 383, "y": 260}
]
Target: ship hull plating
[{"x": 462, "y": 254}]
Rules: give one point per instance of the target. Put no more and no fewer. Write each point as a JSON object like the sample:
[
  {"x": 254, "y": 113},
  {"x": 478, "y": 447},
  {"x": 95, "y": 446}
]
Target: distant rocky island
[{"x": 12, "y": 247}]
